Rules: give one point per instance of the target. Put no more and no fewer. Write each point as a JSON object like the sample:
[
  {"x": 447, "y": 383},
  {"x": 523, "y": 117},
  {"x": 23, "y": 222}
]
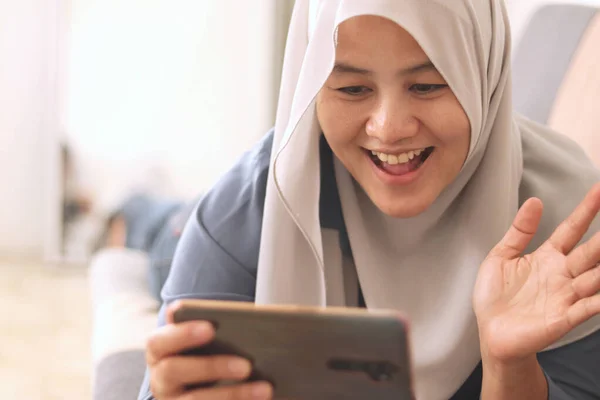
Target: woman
[{"x": 397, "y": 167}]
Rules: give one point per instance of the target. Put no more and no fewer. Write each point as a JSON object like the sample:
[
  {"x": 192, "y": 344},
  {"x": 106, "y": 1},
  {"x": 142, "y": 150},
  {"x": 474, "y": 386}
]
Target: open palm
[{"x": 525, "y": 303}]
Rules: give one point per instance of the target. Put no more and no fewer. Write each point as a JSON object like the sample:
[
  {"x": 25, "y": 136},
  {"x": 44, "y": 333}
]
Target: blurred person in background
[
  {"x": 76, "y": 201},
  {"x": 152, "y": 225}
]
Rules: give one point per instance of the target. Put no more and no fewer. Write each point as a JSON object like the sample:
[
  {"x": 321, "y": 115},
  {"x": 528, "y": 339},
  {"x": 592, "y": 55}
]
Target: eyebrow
[{"x": 344, "y": 68}]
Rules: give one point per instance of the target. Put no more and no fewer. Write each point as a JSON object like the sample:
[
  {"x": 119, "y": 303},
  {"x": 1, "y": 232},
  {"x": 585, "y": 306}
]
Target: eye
[
  {"x": 354, "y": 90},
  {"x": 424, "y": 89}
]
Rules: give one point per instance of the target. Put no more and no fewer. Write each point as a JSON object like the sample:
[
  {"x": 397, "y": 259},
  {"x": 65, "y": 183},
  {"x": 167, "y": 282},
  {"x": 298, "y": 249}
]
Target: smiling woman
[{"x": 390, "y": 117}]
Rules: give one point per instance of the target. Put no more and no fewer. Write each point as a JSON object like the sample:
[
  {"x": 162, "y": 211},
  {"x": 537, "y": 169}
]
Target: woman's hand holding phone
[{"x": 171, "y": 373}]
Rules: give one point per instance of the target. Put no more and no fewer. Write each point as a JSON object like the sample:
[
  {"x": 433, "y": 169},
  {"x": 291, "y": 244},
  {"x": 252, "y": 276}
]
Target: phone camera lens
[
  {"x": 380, "y": 372},
  {"x": 384, "y": 376}
]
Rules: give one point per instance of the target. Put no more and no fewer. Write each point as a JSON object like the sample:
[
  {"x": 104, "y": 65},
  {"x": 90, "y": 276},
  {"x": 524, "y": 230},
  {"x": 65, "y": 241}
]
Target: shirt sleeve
[
  {"x": 573, "y": 371},
  {"x": 217, "y": 255}
]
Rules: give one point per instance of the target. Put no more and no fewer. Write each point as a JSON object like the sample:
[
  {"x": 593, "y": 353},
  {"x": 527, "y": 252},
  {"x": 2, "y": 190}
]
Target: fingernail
[
  {"x": 261, "y": 391},
  {"x": 239, "y": 366}
]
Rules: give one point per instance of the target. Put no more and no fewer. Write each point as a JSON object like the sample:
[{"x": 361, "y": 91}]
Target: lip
[
  {"x": 395, "y": 151},
  {"x": 396, "y": 180}
]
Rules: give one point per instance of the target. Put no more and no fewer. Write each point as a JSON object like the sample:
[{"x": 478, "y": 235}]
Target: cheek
[
  {"x": 450, "y": 125},
  {"x": 339, "y": 123}
]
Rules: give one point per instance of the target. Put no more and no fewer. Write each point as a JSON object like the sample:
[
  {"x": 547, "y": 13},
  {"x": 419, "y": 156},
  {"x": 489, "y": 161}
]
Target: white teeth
[
  {"x": 394, "y": 159},
  {"x": 403, "y": 158},
  {"x": 382, "y": 156}
]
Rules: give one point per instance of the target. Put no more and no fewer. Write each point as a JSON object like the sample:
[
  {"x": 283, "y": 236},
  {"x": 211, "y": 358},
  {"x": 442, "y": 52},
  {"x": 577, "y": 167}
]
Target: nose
[{"x": 392, "y": 121}]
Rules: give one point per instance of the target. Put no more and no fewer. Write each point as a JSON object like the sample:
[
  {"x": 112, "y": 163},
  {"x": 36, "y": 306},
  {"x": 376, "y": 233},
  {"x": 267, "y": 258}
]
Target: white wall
[
  {"x": 27, "y": 32},
  {"x": 179, "y": 86}
]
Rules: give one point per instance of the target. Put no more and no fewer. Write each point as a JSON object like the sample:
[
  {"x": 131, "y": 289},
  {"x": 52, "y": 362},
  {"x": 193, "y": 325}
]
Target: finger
[
  {"x": 250, "y": 391},
  {"x": 170, "y": 312},
  {"x": 571, "y": 230},
  {"x": 172, "y": 375},
  {"x": 585, "y": 256},
  {"x": 588, "y": 283},
  {"x": 583, "y": 310},
  {"x": 173, "y": 339},
  {"x": 522, "y": 230}
]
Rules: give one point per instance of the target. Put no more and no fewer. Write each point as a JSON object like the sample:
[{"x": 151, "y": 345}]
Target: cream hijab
[{"x": 424, "y": 266}]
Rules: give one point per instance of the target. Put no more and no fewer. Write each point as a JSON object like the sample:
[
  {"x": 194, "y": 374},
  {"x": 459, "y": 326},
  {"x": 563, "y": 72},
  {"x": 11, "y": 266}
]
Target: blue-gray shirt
[{"x": 217, "y": 258}]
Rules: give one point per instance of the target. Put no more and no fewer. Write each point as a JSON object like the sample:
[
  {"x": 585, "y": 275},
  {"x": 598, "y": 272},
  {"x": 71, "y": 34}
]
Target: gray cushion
[
  {"x": 544, "y": 55},
  {"x": 124, "y": 315},
  {"x": 119, "y": 376}
]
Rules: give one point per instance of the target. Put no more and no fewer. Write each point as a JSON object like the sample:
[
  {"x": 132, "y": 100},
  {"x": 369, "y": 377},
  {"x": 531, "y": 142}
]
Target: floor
[{"x": 45, "y": 322}]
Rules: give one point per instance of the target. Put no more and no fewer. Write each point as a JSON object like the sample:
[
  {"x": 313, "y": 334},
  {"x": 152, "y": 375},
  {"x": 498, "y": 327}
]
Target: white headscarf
[{"x": 425, "y": 266}]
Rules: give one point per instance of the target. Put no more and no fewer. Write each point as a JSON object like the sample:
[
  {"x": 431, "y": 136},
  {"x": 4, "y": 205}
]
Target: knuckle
[
  {"x": 596, "y": 276},
  {"x": 572, "y": 223},
  {"x": 151, "y": 341},
  {"x": 201, "y": 395},
  {"x": 249, "y": 391},
  {"x": 213, "y": 368},
  {"x": 239, "y": 392},
  {"x": 166, "y": 370},
  {"x": 588, "y": 252},
  {"x": 587, "y": 306},
  {"x": 152, "y": 346},
  {"x": 157, "y": 387}
]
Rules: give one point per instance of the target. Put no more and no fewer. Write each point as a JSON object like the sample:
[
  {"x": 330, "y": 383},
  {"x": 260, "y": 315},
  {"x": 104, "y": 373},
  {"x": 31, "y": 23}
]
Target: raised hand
[{"x": 525, "y": 303}]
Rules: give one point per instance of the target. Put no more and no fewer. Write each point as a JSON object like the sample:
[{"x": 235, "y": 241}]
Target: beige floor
[{"x": 45, "y": 325}]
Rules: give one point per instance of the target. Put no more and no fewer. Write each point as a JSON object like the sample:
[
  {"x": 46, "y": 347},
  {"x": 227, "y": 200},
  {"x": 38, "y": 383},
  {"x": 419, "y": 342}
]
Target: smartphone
[{"x": 311, "y": 353}]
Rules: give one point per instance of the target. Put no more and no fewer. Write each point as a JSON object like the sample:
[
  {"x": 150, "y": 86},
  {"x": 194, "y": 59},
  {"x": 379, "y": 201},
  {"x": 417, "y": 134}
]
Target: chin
[{"x": 404, "y": 206}]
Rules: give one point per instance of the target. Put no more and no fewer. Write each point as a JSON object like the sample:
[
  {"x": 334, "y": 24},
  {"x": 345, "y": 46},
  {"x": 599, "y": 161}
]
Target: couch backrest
[{"x": 556, "y": 73}]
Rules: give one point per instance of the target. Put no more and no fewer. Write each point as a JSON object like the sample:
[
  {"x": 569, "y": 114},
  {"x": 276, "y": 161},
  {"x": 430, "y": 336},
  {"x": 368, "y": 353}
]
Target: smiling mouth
[{"x": 401, "y": 164}]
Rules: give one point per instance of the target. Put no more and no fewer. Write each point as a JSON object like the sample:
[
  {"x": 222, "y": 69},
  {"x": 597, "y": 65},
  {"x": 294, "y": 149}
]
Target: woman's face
[{"x": 391, "y": 118}]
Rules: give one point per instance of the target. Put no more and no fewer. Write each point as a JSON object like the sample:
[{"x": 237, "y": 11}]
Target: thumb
[
  {"x": 522, "y": 230},
  {"x": 170, "y": 311}
]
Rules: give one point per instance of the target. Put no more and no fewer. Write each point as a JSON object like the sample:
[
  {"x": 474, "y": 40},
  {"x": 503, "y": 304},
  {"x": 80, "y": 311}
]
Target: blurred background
[{"x": 102, "y": 99}]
